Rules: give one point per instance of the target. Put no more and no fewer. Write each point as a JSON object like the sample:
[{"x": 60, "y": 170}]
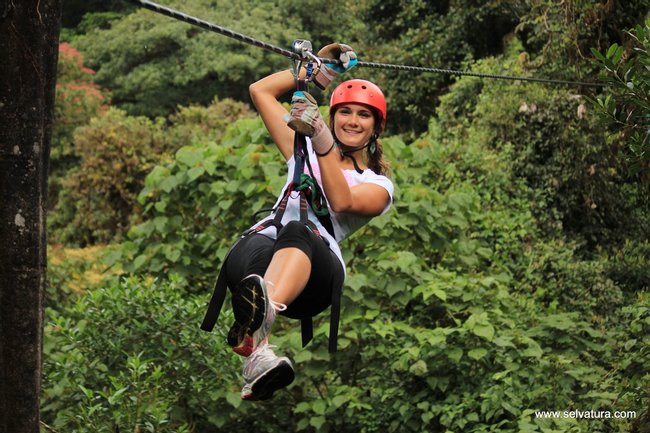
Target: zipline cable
[{"x": 147, "y": 4}]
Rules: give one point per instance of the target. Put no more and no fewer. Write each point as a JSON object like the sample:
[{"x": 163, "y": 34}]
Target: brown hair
[{"x": 375, "y": 154}]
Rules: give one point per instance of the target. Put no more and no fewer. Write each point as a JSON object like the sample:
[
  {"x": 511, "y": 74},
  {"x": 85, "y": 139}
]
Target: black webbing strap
[
  {"x": 218, "y": 296},
  {"x": 335, "y": 316},
  {"x": 216, "y": 302}
]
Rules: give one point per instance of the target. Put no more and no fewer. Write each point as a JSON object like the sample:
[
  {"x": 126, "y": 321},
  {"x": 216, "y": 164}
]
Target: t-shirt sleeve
[{"x": 385, "y": 183}]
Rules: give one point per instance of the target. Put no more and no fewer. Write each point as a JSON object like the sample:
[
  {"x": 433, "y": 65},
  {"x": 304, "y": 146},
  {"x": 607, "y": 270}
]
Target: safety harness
[{"x": 310, "y": 195}]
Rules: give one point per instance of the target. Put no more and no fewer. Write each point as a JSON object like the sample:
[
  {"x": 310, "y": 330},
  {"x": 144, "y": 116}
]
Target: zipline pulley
[{"x": 304, "y": 49}]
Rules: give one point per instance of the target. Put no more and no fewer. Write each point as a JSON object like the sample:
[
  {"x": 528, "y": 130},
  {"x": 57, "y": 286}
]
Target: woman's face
[{"x": 354, "y": 124}]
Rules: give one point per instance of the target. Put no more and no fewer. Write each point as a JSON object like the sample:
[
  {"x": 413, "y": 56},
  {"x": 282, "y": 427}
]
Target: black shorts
[{"x": 253, "y": 253}]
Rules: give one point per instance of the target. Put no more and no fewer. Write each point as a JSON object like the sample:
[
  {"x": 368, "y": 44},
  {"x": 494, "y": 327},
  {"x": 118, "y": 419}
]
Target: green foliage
[
  {"x": 73, "y": 271},
  {"x": 80, "y": 15},
  {"x": 457, "y": 315},
  {"x": 153, "y": 63},
  {"x": 632, "y": 346},
  {"x": 559, "y": 35},
  {"x": 197, "y": 203},
  {"x": 625, "y": 104},
  {"x": 555, "y": 36},
  {"x": 98, "y": 201},
  {"x": 440, "y": 35},
  {"x": 325, "y": 22},
  {"x": 449, "y": 315},
  {"x": 129, "y": 357},
  {"x": 98, "y": 198},
  {"x": 556, "y": 146},
  {"x": 196, "y": 124},
  {"x": 511, "y": 275}
]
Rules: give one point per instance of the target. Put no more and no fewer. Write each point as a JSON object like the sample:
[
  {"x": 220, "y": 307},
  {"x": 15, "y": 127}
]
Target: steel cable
[{"x": 290, "y": 54}]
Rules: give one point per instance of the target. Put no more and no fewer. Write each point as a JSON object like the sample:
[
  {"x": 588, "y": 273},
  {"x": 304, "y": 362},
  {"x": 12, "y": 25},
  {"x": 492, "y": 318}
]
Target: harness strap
[
  {"x": 216, "y": 302},
  {"x": 218, "y": 296}
]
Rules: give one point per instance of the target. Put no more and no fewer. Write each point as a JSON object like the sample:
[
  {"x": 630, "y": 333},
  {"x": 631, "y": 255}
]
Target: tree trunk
[{"x": 29, "y": 32}]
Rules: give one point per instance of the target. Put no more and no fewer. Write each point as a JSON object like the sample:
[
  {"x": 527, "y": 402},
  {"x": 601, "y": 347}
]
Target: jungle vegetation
[{"x": 511, "y": 276}]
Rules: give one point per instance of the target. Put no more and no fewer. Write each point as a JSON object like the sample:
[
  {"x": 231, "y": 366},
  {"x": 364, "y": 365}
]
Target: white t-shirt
[{"x": 344, "y": 223}]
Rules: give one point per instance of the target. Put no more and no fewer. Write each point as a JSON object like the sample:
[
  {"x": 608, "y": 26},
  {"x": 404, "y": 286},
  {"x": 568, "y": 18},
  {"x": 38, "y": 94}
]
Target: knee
[
  {"x": 295, "y": 234},
  {"x": 294, "y": 230}
]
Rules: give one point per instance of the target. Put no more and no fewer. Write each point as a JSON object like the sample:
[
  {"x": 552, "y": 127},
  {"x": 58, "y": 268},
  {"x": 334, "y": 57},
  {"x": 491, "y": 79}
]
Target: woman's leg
[
  {"x": 292, "y": 279},
  {"x": 287, "y": 274},
  {"x": 290, "y": 267},
  {"x": 303, "y": 272}
]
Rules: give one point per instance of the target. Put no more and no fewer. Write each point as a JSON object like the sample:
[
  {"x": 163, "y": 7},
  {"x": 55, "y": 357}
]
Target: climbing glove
[
  {"x": 306, "y": 119},
  {"x": 329, "y": 71}
]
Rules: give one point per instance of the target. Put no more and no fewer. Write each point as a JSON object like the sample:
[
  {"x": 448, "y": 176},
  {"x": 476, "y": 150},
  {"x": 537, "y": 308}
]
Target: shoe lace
[
  {"x": 278, "y": 306},
  {"x": 262, "y": 354}
]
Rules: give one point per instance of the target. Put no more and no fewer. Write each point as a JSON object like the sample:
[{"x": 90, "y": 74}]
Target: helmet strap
[
  {"x": 349, "y": 153},
  {"x": 345, "y": 151}
]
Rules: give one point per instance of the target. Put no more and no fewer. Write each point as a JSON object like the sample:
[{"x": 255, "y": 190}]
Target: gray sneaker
[{"x": 265, "y": 373}]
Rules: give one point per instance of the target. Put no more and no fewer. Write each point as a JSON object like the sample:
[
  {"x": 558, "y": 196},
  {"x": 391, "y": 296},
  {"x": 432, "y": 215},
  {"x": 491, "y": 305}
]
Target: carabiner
[
  {"x": 303, "y": 48},
  {"x": 311, "y": 72}
]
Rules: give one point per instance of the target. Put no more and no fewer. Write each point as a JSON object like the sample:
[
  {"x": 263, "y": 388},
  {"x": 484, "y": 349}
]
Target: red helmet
[{"x": 360, "y": 92}]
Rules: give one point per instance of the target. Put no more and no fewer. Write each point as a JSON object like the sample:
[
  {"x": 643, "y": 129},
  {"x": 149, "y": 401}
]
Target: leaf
[
  {"x": 169, "y": 183},
  {"x": 319, "y": 407},
  {"x": 477, "y": 354},
  {"x": 160, "y": 206},
  {"x": 597, "y": 54},
  {"x": 533, "y": 351},
  {"x": 139, "y": 261},
  {"x": 419, "y": 368},
  {"x": 188, "y": 156},
  {"x": 302, "y": 356},
  {"x": 87, "y": 392},
  {"x": 116, "y": 396},
  {"x": 173, "y": 254},
  {"x": 439, "y": 293},
  {"x": 340, "y": 400},
  {"x": 317, "y": 421},
  {"x": 302, "y": 407},
  {"x": 629, "y": 344},
  {"x": 234, "y": 399},
  {"x": 612, "y": 50},
  {"x": 484, "y": 330},
  {"x": 559, "y": 321},
  {"x": 195, "y": 173},
  {"x": 455, "y": 354}
]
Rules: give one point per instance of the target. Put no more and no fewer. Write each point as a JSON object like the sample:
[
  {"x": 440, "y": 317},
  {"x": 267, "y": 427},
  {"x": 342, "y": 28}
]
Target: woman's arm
[
  {"x": 265, "y": 94},
  {"x": 367, "y": 199}
]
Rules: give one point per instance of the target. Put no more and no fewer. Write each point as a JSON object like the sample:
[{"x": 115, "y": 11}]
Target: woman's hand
[
  {"x": 305, "y": 118},
  {"x": 329, "y": 71}
]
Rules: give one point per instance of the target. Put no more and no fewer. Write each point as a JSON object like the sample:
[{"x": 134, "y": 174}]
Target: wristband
[{"x": 326, "y": 153}]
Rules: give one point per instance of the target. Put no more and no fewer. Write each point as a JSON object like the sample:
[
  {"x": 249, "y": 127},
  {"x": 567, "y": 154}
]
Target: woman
[{"x": 291, "y": 267}]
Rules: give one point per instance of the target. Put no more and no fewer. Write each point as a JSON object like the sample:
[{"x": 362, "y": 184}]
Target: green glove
[{"x": 329, "y": 71}]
